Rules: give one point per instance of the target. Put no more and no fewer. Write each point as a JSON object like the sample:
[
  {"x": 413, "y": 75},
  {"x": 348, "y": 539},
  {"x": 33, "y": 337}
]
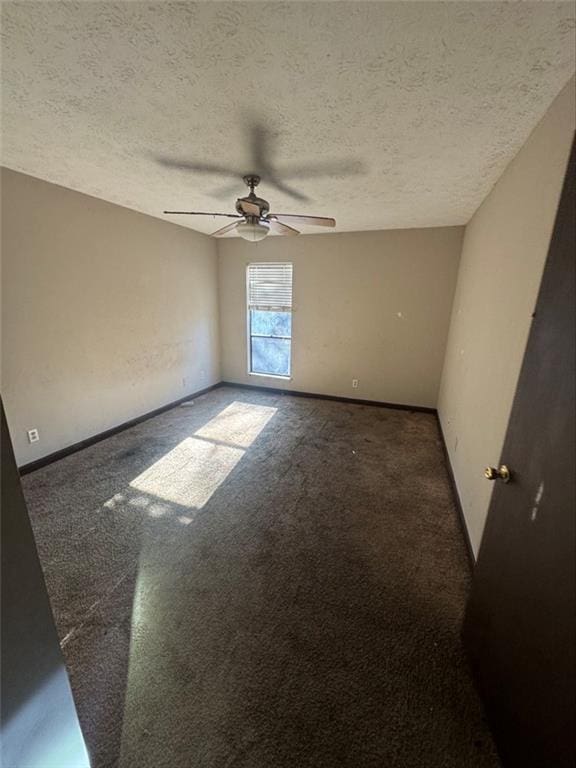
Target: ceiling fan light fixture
[{"x": 253, "y": 229}]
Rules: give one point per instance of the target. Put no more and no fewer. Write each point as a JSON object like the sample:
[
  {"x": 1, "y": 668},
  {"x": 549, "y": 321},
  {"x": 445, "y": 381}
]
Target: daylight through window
[{"x": 269, "y": 287}]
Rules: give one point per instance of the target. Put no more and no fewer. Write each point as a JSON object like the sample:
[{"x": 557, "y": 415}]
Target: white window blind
[{"x": 270, "y": 286}]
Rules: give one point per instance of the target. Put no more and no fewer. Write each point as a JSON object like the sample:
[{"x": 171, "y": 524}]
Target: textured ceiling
[{"x": 416, "y": 107}]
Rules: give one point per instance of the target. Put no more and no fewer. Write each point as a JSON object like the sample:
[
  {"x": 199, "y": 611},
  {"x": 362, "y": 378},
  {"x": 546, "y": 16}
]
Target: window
[{"x": 269, "y": 289}]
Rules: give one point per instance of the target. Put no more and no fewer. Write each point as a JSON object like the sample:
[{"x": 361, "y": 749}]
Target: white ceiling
[{"x": 429, "y": 100}]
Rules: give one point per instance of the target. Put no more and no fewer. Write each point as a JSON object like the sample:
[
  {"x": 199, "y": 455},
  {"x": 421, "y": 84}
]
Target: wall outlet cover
[{"x": 33, "y": 435}]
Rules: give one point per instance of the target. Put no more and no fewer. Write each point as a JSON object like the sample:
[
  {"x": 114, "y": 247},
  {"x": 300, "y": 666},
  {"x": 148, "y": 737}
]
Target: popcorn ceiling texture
[{"x": 433, "y": 99}]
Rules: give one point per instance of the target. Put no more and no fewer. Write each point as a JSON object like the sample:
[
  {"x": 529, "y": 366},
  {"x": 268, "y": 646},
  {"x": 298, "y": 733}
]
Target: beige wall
[
  {"x": 107, "y": 313},
  {"x": 503, "y": 255},
  {"x": 374, "y": 306}
]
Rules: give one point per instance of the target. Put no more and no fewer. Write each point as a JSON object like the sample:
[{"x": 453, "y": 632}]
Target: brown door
[
  {"x": 40, "y": 727},
  {"x": 520, "y": 621}
]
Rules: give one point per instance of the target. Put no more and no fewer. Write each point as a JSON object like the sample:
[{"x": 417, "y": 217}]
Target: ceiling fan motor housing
[{"x": 262, "y": 204}]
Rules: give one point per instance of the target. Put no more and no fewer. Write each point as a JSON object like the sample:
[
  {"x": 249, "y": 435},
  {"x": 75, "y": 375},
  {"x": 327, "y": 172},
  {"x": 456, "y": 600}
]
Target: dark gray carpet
[{"x": 262, "y": 581}]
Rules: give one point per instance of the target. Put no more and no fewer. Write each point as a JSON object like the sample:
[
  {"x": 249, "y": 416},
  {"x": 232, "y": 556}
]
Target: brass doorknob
[{"x": 502, "y": 473}]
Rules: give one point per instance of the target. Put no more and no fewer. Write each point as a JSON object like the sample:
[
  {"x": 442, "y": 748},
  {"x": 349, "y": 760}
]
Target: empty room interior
[{"x": 288, "y": 384}]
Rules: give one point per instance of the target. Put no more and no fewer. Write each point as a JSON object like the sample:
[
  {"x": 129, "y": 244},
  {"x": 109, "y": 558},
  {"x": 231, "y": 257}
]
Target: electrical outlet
[
  {"x": 33, "y": 436},
  {"x": 355, "y": 383}
]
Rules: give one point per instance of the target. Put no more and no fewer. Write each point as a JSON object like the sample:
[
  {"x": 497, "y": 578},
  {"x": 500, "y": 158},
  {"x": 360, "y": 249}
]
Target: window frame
[{"x": 249, "y": 329}]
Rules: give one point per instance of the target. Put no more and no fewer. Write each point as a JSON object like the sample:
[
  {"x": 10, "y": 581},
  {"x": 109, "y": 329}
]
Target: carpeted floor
[{"x": 262, "y": 581}]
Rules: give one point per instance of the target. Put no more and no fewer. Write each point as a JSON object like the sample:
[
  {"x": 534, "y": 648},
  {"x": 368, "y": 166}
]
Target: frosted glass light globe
[{"x": 253, "y": 230}]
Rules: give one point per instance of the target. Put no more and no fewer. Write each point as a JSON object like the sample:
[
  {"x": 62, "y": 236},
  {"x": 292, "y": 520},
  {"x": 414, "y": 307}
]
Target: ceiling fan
[{"x": 253, "y": 220}]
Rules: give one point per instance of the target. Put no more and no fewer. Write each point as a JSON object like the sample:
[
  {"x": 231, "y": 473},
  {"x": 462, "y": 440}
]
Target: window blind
[{"x": 270, "y": 286}]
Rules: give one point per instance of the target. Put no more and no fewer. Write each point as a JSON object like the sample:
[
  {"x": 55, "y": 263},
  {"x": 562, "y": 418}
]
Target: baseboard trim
[
  {"x": 336, "y": 398},
  {"x": 88, "y": 441},
  {"x": 456, "y": 495}
]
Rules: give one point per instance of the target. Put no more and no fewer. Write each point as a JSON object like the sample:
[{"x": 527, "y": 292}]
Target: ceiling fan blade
[
  {"x": 282, "y": 229},
  {"x": 273, "y": 181},
  {"x": 323, "y": 168},
  {"x": 189, "y": 165},
  {"x": 224, "y": 193},
  {"x": 204, "y": 213},
  {"x": 262, "y": 142},
  {"x": 224, "y": 230},
  {"x": 250, "y": 209},
  {"x": 317, "y": 221}
]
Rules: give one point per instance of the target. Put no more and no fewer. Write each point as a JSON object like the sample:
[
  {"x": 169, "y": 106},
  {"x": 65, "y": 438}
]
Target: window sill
[{"x": 270, "y": 376}]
